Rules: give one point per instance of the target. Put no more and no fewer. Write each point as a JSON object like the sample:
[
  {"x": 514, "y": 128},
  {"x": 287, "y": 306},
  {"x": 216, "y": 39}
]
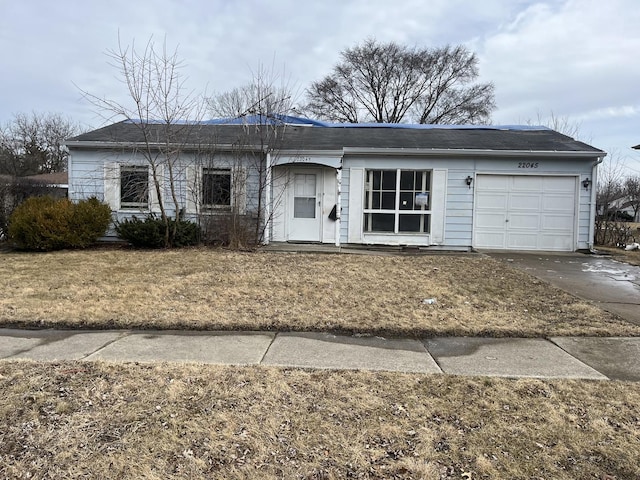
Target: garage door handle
[{"x": 507, "y": 220}]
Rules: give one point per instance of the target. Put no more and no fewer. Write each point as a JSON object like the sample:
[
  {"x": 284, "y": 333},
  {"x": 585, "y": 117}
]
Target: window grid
[{"x": 403, "y": 215}]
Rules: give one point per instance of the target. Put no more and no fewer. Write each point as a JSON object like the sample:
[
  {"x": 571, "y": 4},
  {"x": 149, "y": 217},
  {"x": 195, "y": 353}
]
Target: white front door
[
  {"x": 525, "y": 212},
  {"x": 304, "y": 205}
]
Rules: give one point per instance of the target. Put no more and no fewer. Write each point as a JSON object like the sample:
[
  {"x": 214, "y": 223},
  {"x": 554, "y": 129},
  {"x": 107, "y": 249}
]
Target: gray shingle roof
[{"x": 336, "y": 137}]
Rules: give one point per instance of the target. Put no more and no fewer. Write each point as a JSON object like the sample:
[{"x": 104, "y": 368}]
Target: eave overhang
[
  {"x": 189, "y": 147},
  {"x": 470, "y": 152}
]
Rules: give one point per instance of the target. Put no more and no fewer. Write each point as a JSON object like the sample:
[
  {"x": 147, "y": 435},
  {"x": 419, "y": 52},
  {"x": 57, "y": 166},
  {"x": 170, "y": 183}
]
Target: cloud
[
  {"x": 575, "y": 58},
  {"x": 570, "y": 57}
]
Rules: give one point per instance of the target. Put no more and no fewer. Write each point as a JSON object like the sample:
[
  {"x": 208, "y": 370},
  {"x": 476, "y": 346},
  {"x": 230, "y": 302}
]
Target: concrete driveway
[{"x": 613, "y": 285}]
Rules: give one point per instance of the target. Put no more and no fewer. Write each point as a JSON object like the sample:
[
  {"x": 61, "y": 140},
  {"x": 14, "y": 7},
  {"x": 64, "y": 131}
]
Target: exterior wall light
[
  {"x": 585, "y": 183},
  {"x": 469, "y": 180}
]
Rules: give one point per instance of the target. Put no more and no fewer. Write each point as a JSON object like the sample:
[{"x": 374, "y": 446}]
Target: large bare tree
[
  {"x": 33, "y": 144},
  {"x": 392, "y": 83},
  {"x": 162, "y": 109}
]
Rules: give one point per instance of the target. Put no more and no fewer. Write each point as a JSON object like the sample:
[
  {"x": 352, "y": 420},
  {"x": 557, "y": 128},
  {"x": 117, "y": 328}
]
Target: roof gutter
[
  {"x": 352, "y": 150},
  {"x": 158, "y": 146},
  {"x": 470, "y": 152},
  {"x": 592, "y": 205}
]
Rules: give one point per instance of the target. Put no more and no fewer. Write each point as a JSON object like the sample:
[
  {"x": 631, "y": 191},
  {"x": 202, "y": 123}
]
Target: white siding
[
  {"x": 344, "y": 214},
  {"x": 438, "y": 199},
  {"x": 356, "y": 198},
  {"x": 452, "y": 223},
  {"x": 459, "y": 209},
  {"x": 97, "y": 173},
  {"x": 459, "y": 199}
]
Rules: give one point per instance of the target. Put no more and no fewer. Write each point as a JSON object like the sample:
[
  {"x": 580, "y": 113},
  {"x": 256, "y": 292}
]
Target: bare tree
[
  {"x": 33, "y": 144},
  {"x": 261, "y": 108},
  {"x": 162, "y": 110},
  {"x": 632, "y": 193},
  {"x": 609, "y": 192},
  {"x": 391, "y": 83},
  {"x": 559, "y": 123},
  {"x": 268, "y": 93}
]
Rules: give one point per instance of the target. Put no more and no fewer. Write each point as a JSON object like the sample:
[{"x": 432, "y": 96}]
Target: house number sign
[{"x": 527, "y": 164}]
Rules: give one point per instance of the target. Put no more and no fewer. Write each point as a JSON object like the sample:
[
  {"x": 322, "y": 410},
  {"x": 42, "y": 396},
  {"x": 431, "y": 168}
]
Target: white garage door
[{"x": 522, "y": 212}]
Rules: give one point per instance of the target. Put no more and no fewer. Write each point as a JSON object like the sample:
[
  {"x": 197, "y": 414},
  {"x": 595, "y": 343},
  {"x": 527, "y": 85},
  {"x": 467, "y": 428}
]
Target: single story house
[
  {"x": 625, "y": 205},
  {"x": 442, "y": 187}
]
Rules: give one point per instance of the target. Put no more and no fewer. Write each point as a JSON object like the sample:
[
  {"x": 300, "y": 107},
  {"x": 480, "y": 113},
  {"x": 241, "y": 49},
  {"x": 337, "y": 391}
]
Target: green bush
[
  {"x": 89, "y": 221},
  {"x": 150, "y": 232},
  {"x": 45, "y": 223}
]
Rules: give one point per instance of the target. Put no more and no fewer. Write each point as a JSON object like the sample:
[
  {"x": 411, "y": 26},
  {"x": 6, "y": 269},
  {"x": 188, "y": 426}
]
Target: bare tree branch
[
  {"x": 161, "y": 108},
  {"x": 391, "y": 83},
  {"x": 33, "y": 144}
]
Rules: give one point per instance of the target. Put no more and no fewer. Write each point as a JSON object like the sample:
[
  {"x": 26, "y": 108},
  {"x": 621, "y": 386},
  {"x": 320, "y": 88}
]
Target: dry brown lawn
[
  {"x": 92, "y": 420},
  {"x": 632, "y": 256},
  {"x": 221, "y": 290}
]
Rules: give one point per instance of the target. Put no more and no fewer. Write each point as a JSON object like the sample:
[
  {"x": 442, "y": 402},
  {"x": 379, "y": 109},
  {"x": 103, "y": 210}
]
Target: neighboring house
[
  {"x": 446, "y": 187},
  {"x": 624, "y": 204},
  {"x": 57, "y": 182},
  {"x": 14, "y": 190}
]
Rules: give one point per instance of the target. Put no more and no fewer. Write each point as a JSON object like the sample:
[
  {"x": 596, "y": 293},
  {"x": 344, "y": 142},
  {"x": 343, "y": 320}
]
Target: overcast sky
[{"x": 576, "y": 58}]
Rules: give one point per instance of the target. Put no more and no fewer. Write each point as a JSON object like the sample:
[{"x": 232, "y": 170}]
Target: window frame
[
  {"x": 425, "y": 212},
  {"x": 146, "y": 205},
  {"x": 215, "y": 208}
]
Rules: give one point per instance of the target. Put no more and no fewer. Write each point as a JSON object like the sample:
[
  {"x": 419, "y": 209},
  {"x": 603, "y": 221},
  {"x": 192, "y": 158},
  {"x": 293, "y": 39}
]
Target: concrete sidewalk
[{"x": 562, "y": 357}]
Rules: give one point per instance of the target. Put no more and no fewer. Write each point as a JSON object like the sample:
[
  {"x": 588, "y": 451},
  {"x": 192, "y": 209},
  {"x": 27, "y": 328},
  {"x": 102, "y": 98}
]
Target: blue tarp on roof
[
  {"x": 269, "y": 119},
  {"x": 278, "y": 119},
  {"x": 431, "y": 126}
]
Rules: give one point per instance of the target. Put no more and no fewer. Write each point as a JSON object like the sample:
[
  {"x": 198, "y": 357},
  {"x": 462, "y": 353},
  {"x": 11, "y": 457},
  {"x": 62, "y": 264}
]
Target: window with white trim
[
  {"x": 397, "y": 201},
  {"x": 217, "y": 189},
  {"x": 134, "y": 187}
]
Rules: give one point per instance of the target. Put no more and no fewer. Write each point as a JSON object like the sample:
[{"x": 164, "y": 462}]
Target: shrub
[
  {"x": 45, "y": 223},
  {"x": 14, "y": 191},
  {"x": 150, "y": 232},
  {"x": 89, "y": 221},
  {"x": 235, "y": 231}
]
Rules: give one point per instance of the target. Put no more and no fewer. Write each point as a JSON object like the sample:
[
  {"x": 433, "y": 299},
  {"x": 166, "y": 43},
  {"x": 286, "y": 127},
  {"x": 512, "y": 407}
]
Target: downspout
[
  {"x": 338, "y": 203},
  {"x": 267, "y": 203},
  {"x": 592, "y": 206}
]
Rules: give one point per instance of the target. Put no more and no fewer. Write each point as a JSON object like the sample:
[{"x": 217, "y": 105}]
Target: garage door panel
[
  {"x": 524, "y": 201},
  {"x": 522, "y": 241},
  {"x": 492, "y": 220},
  {"x": 555, "y": 203},
  {"x": 556, "y": 242},
  {"x": 527, "y": 221},
  {"x": 491, "y": 240},
  {"x": 559, "y": 223},
  {"x": 524, "y": 183},
  {"x": 495, "y": 201},
  {"x": 539, "y": 213},
  {"x": 499, "y": 183},
  {"x": 558, "y": 184}
]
